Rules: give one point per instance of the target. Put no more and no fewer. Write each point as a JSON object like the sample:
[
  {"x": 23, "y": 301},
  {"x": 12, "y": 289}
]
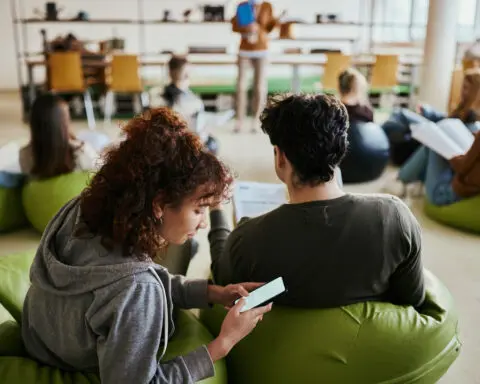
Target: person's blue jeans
[{"x": 434, "y": 171}]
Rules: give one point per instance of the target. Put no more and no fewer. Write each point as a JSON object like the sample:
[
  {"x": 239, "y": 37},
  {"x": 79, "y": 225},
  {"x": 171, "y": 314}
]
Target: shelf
[
  {"x": 159, "y": 22},
  {"x": 95, "y": 21}
]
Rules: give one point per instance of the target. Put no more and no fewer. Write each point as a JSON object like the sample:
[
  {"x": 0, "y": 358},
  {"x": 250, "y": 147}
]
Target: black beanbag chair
[{"x": 367, "y": 155}]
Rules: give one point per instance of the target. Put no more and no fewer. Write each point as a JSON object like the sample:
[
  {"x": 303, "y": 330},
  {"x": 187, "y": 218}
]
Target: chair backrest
[
  {"x": 65, "y": 72},
  {"x": 124, "y": 75},
  {"x": 455, "y": 88},
  {"x": 470, "y": 63},
  {"x": 336, "y": 63},
  {"x": 384, "y": 73}
]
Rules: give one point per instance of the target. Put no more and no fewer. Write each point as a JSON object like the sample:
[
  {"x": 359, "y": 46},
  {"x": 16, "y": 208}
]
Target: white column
[{"x": 439, "y": 56}]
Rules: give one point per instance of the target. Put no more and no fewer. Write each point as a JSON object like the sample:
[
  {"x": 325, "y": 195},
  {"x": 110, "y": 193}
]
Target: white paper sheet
[
  {"x": 9, "y": 158},
  {"x": 430, "y": 135},
  {"x": 251, "y": 199},
  {"x": 458, "y": 132}
]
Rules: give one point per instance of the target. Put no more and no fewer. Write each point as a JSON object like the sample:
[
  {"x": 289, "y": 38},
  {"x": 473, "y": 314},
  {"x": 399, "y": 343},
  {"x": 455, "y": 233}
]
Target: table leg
[
  {"x": 413, "y": 84},
  {"x": 31, "y": 86},
  {"x": 296, "y": 87}
]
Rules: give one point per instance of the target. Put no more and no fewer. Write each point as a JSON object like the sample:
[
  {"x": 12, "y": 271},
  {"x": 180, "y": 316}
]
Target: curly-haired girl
[{"x": 97, "y": 301}]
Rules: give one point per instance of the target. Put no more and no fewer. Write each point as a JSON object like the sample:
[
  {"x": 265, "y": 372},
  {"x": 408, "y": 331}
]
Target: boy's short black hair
[
  {"x": 176, "y": 63},
  {"x": 312, "y": 132}
]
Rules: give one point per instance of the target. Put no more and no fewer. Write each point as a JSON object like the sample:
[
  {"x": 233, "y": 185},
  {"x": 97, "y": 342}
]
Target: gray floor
[{"x": 452, "y": 255}]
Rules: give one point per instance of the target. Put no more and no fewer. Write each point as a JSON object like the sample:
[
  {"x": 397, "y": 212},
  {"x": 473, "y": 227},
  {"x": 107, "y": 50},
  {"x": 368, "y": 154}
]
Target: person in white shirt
[{"x": 53, "y": 149}]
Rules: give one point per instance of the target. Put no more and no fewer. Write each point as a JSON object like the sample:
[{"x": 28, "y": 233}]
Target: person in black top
[
  {"x": 332, "y": 248},
  {"x": 353, "y": 87}
]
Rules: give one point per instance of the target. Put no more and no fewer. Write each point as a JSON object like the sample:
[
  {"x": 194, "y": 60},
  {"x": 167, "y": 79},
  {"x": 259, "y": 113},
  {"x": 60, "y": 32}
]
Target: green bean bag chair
[
  {"x": 462, "y": 215},
  {"x": 361, "y": 343},
  {"x": 12, "y": 215},
  {"x": 42, "y": 199},
  {"x": 16, "y": 367}
]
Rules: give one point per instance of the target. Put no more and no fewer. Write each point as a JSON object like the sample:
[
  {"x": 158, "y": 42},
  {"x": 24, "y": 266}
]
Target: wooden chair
[
  {"x": 384, "y": 79},
  {"x": 455, "y": 89},
  {"x": 470, "y": 63},
  {"x": 336, "y": 63},
  {"x": 124, "y": 78},
  {"x": 384, "y": 73},
  {"x": 65, "y": 75}
]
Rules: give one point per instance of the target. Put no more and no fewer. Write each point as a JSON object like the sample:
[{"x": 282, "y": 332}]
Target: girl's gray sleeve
[{"x": 129, "y": 330}]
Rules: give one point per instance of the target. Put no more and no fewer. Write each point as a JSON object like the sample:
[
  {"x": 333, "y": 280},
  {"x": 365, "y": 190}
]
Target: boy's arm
[
  {"x": 407, "y": 285},
  {"x": 225, "y": 249}
]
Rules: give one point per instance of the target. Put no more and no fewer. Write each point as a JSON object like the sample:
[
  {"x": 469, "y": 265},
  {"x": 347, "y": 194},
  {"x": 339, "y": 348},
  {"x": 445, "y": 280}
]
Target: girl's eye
[{"x": 200, "y": 211}]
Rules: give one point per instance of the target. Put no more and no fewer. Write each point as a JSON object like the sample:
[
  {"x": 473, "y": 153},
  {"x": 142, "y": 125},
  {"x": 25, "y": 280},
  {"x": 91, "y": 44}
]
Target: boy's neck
[{"x": 323, "y": 191}]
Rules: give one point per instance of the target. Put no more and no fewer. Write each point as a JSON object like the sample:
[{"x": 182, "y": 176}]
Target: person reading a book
[
  {"x": 254, "y": 20},
  {"x": 353, "y": 90},
  {"x": 437, "y": 174},
  {"x": 332, "y": 248},
  {"x": 178, "y": 96},
  {"x": 97, "y": 302},
  {"x": 54, "y": 149}
]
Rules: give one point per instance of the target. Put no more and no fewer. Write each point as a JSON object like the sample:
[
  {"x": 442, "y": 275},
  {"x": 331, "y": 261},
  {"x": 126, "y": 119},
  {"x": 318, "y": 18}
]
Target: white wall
[{"x": 166, "y": 37}]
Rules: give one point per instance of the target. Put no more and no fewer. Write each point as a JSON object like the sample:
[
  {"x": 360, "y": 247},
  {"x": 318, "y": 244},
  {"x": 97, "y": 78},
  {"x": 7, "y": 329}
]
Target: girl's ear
[{"x": 158, "y": 207}]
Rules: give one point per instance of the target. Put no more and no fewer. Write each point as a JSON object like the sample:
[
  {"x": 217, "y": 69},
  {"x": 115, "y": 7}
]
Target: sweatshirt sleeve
[
  {"x": 228, "y": 263},
  {"x": 129, "y": 331},
  {"x": 189, "y": 293},
  {"x": 407, "y": 285}
]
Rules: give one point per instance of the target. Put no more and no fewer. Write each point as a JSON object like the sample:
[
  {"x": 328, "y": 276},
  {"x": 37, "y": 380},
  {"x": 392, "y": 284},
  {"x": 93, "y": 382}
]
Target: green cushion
[
  {"x": 10, "y": 335},
  {"x": 15, "y": 370},
  {"x": 462, "y": 215},
  {"x": 190, "y": 334},
  {"x": 12, "y": 215},
  {"x": 11, "y": 343},
  {"x": 42, "y": 199},
  {"x": 15, "y": 281},
  {"x": 361, "y": 343}
]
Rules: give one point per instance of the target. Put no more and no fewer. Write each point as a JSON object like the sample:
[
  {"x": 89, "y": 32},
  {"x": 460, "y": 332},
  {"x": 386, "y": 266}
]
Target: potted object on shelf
[
  {"x": 332, "y": 18},
  {"x": 51, "y": 11},
  {"x": 186, "y": 15},
  {"x": 213, "y": 13},
  {"x": 81, "y": 16},
  {"x": 286, "y": 30},
  {"x": 166, "y": 16}
]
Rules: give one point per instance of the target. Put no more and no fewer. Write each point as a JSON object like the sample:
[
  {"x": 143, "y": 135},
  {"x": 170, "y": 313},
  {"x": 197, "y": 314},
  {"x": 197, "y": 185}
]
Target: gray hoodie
[{"x": 93, "y": 310}]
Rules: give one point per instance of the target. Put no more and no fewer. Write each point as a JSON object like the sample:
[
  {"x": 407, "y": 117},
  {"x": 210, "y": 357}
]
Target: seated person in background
[
  {"x": 353, "y": 90},
  {"x": 180, "y": 98},
  {"x": 331, "y": 248},
  {"x": 440, "y": 177},
  {"x": 53, "y": 149}
]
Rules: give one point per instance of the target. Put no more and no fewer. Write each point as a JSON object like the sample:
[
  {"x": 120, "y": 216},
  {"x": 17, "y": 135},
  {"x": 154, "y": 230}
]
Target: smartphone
[{"x": 264, "y": 294}]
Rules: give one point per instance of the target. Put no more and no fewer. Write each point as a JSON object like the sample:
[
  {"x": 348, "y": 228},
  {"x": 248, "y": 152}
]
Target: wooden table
[{"x": 294, "y": 61}]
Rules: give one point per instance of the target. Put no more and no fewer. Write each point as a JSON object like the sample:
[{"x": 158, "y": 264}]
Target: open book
[
  {"x": 448, "y": 138},
  {"x": 252, "y": 199},
  {"x": 9, "y": 158}
]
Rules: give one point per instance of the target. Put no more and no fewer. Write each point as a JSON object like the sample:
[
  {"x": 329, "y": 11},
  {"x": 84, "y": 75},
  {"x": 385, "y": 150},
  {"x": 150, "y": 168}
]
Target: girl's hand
[
  {"x": 228, "y": 294},
  {"x": 235, "y": 327}
]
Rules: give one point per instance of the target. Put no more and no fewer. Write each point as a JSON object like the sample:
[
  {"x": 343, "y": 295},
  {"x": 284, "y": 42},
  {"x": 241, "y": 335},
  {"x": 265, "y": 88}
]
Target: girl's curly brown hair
[{"x": 159, "y": 156}]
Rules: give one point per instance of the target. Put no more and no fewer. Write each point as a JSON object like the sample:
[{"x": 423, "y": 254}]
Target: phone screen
[{"x": 263, "y": 294}]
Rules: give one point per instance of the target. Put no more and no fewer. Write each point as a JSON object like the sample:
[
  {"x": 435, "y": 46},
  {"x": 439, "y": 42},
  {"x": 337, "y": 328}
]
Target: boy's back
[{"x": 330, "y": 253}]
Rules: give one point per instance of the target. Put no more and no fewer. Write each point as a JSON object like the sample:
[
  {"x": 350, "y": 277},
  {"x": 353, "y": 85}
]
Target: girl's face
[{"x": 182, "y": 222}]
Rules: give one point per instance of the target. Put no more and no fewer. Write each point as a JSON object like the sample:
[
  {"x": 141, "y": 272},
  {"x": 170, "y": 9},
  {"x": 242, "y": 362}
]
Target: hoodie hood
[{"x": 84, "y": 265}]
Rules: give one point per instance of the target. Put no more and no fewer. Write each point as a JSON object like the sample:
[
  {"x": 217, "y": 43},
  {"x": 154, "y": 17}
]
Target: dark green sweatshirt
[{"x": 330, "y": 253}]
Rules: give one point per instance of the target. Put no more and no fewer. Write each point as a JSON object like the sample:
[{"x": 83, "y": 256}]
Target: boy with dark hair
[
  {"x": 178, "y": 96},
  {"x": 330, "y": 247}
]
